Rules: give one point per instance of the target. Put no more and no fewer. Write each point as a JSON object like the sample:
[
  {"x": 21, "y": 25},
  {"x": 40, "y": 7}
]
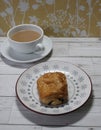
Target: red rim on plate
[{"x": 79, "y": 87}]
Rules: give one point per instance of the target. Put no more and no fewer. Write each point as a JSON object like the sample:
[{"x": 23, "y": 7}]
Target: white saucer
[{"x": 9, "y": 54}]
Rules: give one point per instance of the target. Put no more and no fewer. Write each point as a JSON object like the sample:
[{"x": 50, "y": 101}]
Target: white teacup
[{"x": 26, "y": 38}]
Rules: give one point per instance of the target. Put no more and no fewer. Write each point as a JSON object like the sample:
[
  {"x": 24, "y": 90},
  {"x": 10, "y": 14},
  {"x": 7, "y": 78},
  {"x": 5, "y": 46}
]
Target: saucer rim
[{"x": 6, "y": 46}]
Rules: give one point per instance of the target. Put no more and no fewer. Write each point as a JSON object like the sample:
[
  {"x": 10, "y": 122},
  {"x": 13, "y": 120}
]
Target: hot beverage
[{"x": 25, "y": 36}]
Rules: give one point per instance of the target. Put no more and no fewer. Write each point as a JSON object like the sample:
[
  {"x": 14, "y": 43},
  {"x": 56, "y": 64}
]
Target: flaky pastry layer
[{"x": 52, "y": 88}]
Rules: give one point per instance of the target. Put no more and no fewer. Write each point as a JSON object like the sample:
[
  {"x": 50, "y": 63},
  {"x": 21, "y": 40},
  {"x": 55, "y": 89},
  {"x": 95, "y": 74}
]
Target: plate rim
[
  {"x": 26, "y": 61},
  {"x": 90, "y": 81}
]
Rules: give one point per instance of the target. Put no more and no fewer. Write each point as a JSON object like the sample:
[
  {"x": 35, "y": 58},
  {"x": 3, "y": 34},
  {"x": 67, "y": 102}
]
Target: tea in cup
[{"x": 26, "y": 38}]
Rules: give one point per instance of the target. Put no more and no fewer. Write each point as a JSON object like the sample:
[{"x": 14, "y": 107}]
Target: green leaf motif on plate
[
  {"x": 28, "y": 76},
  {"x": 55, "y": 66},
  {"x": 23, "y": 83},
  {"x": 25, "y": 98},
  {"x": 81, "y": 79},
  {"x": 23, "y": 91},
  {"x": 75, "y": 73},
  {"x": 46, "y": 67}
]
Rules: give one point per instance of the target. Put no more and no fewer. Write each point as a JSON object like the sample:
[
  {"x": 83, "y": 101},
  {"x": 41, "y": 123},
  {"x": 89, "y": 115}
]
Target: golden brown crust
[{"x": 52, "y": 88}]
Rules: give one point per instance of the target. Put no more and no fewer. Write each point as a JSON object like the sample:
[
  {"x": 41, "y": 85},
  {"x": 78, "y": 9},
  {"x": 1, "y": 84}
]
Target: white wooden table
[{"x": 85, "y": 53}]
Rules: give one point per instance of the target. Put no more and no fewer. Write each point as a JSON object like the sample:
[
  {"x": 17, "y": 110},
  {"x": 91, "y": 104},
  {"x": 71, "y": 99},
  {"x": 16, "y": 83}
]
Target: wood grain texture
[{"x": 86, "y": 54}]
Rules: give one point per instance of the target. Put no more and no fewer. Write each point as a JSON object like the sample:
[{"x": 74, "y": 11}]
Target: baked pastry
[{"x": 52, "y": 88}]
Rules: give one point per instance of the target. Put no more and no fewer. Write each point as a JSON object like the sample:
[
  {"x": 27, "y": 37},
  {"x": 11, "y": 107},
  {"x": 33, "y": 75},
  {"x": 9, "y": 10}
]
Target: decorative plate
[{"x": 79, "y": 87}]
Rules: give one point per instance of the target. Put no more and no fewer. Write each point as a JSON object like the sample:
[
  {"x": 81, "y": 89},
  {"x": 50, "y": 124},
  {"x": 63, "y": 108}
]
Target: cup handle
[{"x": 39, "y": 48}]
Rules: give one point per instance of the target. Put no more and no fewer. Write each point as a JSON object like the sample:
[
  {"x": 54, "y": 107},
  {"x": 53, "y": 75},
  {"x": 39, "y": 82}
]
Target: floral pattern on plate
[{"x": 79, "y": 87}]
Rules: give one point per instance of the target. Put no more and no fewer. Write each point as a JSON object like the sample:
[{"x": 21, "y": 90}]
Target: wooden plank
[
  {"x": 19, "y": 127},
  {"x": 86, "y": 54},
  {"x": 6, "y": 69},
  {"x": 13, "y": 112},
  {"x": 32, "y": 127},
  {"x": 5, "y": 109},
  {"x": 84, "y": 63},
  {"x": 77, "y": 47},
  {"x": 64, "y": 47},
  {"x": 60, "y": 50},
  {"x": 63, "y": 39},
  {"x": 74, "y": 119},
  {"x": 96, "y": 66},
  {"x": 76, "y": 50},
  {"x": 76, "y": 40},
  {"x": 85, "y": 49},
  {"x": 7, "y": 85}
]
